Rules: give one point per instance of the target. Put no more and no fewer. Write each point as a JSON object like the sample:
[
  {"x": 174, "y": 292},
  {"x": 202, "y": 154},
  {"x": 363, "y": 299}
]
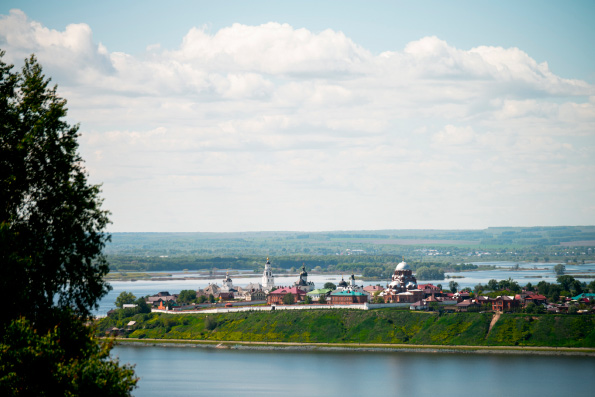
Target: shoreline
[{"x": 371, "y": 347}]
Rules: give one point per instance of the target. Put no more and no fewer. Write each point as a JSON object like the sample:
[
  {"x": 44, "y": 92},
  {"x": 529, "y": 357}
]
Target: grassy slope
[{"x": 376, "y": 326}]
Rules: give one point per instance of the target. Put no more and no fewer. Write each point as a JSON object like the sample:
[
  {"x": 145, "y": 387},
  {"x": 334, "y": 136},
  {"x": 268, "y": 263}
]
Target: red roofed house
[
  {"x": 276, "y": 297},
  {"x": 505, "y": 303},
  {"x": 430, "y": 290},
  {"x": 537, "y": 299},
  {"x": 468, "y": 306}
]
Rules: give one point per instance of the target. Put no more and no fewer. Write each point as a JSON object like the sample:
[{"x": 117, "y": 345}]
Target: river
[{"x": 195, "y": 371}]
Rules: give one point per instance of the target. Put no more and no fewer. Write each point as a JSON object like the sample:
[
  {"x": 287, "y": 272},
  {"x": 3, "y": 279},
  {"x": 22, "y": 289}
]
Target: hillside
[{"x": 354, "y": 326}]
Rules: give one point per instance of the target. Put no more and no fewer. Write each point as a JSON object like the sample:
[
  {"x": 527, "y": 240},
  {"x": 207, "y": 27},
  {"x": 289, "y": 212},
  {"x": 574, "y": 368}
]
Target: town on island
[{"x": 403, "y": 291}]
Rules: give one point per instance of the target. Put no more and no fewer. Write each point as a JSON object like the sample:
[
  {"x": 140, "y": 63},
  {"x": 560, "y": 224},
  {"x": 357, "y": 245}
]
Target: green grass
[{"x": 375, "y": 326}]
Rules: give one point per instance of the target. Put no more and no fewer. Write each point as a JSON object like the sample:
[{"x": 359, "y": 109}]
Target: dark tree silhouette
[{"x": 51, "y": 242}]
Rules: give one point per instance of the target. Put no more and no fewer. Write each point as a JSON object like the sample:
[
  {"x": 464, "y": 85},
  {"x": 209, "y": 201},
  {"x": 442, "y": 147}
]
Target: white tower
[
  {"x": 227, "y": 283},
  {"x": 268, "y": 282}
]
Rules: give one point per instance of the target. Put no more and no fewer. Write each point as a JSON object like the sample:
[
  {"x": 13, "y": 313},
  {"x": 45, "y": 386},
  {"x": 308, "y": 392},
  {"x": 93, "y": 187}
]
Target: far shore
[{"x": 371, "y": 347}]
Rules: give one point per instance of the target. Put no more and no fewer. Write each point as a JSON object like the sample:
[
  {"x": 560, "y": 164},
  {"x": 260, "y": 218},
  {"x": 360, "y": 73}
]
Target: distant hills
[{"x": 490, "y": 237}]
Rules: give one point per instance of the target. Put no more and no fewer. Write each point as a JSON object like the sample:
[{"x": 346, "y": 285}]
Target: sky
[{"x": 203, "y": 116}]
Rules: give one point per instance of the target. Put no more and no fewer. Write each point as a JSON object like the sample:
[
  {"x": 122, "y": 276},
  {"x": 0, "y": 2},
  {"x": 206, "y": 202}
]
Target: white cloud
[
  {"x": 277, "y": 121},
  {"x": 452, "y": 135},
  {"x": 69, "y": 53}
]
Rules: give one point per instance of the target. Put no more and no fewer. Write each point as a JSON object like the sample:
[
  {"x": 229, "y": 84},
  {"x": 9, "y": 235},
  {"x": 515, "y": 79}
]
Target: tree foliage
[
  {"x": 51, "y": 242},
  {"x": 125, "y": 298},
  {"x": 570, "y": 284},
  {"x": 329, "y": 285},
  {"x": 429, "y": 273},
  {"x": 559, "y": 269},
  {"x": 52, "y": 223},
  {"x": 288, "y": 299},
  {"x": 42, "y": 364},
  {"x": 187, "y": 296}
]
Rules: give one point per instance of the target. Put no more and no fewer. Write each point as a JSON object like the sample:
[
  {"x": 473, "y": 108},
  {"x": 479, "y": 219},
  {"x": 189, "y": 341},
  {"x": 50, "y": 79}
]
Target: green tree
[
  {"x": 377, "y": 298},
  {"x": 202, "y": 299},
  {"x": 478, "y": 288},
  {"x": 210, "y": 323},
  {"x": 211, "y": 298},
  {"x": 40, "y": 364},
  {"x": 51, "y": 218},
  {"x": 125, "y": 298},
  {"x": 454, "y": 286},
  {"x": 143, "y": 307},
  {"x": 559, "y": 269},
  {"x": 187, "y": 296},
  {"x": 329, "y": 285},
  {"x": 322, "y": 299},
  {"x": 566, "y": 282},
  {"x": 288, "y": 299},
  {"x": 308, "y": 300},
  {"x": 51, "y": 242},
  {"x": 532, "y": 308},
  {"x": 493, "y": 285},
  {"x": 509, "y": 285},
  {"x": 429, "y": 273}
]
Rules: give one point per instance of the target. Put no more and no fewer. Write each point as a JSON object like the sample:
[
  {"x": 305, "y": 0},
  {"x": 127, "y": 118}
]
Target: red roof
[
  {"x": 285, "y": 291},
  {"x": 484, "y": 298},
  {"x": 538, "y": 297},
  {"x": 505, "y": 298},
  {"x": 428, "y": 286},
  {"x": 373, "y": 288}
]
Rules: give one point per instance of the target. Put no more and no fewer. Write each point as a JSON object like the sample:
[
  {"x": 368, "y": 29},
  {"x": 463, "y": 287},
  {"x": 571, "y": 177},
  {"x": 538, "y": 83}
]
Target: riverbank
[
  {"x": 373, "y": 347},
  {"x": 376, "y": 327}
]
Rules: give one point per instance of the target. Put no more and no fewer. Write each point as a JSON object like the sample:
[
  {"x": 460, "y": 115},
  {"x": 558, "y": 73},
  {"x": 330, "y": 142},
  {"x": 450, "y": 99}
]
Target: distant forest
[{"x": 370, "y": 253}]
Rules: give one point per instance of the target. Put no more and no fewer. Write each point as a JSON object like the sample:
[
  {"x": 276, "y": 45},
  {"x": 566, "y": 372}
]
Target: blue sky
[
  {"x": 325, "y": 115},
  {"x": 554, "y": 31}
]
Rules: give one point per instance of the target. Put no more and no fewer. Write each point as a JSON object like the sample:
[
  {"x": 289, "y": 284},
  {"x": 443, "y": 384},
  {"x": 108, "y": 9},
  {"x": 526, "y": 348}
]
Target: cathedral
[
  {"x": 403, "y": 286},
  {"x": 303, "y": 282}
]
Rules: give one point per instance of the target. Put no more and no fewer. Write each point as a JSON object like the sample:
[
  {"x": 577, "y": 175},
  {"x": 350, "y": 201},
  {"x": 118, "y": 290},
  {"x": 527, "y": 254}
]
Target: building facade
[
  {"x": 276, "y": 297},
  {"x": 348, "y": 297}
]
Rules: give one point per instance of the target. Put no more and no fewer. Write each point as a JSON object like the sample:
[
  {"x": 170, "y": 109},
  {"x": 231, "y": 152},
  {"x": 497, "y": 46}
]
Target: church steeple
[{"x": 268, "y": 281}]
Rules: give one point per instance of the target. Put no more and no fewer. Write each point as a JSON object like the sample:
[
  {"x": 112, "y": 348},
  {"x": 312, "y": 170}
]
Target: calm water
[
  {"x": 504, "y": 271},
  {"x": 194, "y": 371}
]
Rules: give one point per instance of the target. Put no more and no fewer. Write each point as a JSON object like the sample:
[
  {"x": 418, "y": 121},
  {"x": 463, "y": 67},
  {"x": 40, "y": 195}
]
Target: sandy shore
[{"x": 289, "y": 346}]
